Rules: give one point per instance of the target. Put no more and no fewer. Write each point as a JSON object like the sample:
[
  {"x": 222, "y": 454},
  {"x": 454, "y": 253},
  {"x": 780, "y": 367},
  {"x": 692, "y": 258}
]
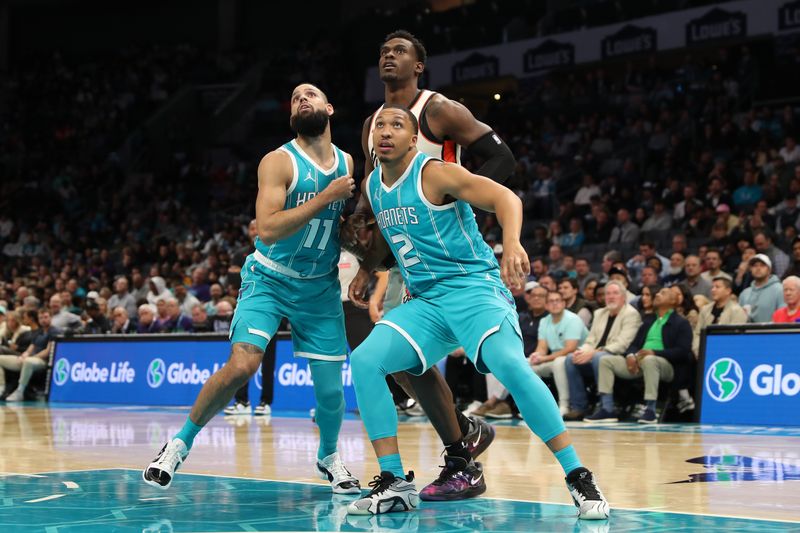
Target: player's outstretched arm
[
  {"x": 442, "y": 180},
  {"x": 274, "y": 177}
]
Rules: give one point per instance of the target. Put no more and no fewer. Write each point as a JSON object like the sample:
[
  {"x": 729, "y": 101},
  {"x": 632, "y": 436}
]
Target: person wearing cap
[
  {"x": 765, "y": 295},
  {"x": 97, "y": 323},
  {"x": 613, "y": 329},
  {"x": 725, "y": 217},
  {"x": 617, "y": 274},
  {"x": 791, "y": 295}
]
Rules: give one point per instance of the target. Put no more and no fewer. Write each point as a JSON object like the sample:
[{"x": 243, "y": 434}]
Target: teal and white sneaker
[
  {"x": 389, "y": 494},
  {"x": 342, "y": 481},
  {"x": 161, "y": 471}
]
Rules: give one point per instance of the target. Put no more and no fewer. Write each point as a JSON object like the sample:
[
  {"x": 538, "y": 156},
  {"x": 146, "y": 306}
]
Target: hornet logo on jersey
[
  {"x": 61, "y": 372},
  {"x": 155, "y": 373}
]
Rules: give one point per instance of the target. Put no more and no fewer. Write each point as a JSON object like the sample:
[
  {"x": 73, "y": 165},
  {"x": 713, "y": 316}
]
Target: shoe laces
[
  {"x": 586, "y": 486},
  {"x": 172, "y": 455},
  {"x": 446, "y": 473},
  {"x": 380, "y": 484},
  {"x": 338, "y": 469}
]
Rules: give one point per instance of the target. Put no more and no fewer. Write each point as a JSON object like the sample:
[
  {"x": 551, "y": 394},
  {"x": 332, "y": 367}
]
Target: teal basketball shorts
[
  {"x": 312, "y": 306},
  {"x": 460, "y": 311}
]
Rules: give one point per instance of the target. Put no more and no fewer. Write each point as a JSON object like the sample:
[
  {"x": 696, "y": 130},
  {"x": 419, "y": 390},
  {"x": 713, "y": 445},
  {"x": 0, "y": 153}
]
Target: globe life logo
[
  {"x": 292, "y": 375},
  {"x": 724, "y": 379},
  {"x": 177, "y": 373},
  {"x": 61, "y": 372},
  {"x": 769, "y": 380},
  {"x": 155, "y": 373}
]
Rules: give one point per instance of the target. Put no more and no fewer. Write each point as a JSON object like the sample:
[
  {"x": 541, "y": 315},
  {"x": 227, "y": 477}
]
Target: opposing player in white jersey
[{"x": 445, "y": 126}]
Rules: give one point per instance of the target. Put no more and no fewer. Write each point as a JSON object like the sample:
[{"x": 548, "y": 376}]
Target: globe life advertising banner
[
  {"x": 160, "y": 371},
  {"x": 751, "y": 378}
]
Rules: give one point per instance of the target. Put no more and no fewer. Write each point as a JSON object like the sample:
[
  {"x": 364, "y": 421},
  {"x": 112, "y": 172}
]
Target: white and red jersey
[{"x": 427, "y": 143}]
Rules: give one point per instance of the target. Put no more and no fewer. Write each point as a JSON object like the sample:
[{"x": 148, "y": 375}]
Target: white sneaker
[
  {"x": 389, "y": 494},
  {"x": 563, "y": 409},
  {"x": 342, "y": 481},
  {"x": 17, "y": 396},
  {"x": 160, "y": 472},
  {"x": 262, "y": 409},
  {"x": 415, "y": 410},
  {"x": 238, "y": 408},
  {"x": 587, "y": 496}
]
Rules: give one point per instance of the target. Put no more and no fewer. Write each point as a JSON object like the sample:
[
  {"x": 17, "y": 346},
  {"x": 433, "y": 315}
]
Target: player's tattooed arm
[{"x": 274, "y": 177}]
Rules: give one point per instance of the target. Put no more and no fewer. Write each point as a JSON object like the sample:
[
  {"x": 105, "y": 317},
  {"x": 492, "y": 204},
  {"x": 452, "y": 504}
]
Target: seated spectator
[
  {"x": 10, "y": 332},
  {"x": 625, "y": 231},
  {"x": 743, "y": 277},
  {"x": 216, "y": 295},
  {"x": 647, "y": 249},
  {"x": 583, "y": 198},
  {"x": 97, "y": 323},
  {"x": 147, "y": 319},
  {"x": 749, "y": 192},
  {"x": 660, "y": 220},
  {"x": 724, "y": 216},
  {"x": 573, "y": 300},
  {"x": 619, "y": 274},
  {"x": 122, "y": 297},
  {"x": 763, "y": 245},
  {"x": 535, "y": 298},
  {"x": 548, "y": 282},
  {"x": 600, "y": 295},
  {"x": 200, "y": 287},
  {"x": 61, "y": 318},
  {"x": 794, "y": 268},
  {"x": 158, "y": 289},
  {"x": 186, "y": 300},
  {"x": 765, "y": 295},
  {"x": 694, "y": 279},
  {"x": 200, "y": 320},
  {"x": 713, "y": 262},
  {"x": 649, "y": 277},
  {"x": 121, "y": 322},
  {"x": 583, "y": 273},
  {"x": 574, "y": 239},
  {"x": 723, "y": 309},
  {"x": 590, "y": 294},
  {"x": 684, "y": 303},
  {"x": 174, "y": 320},
  {"x": 223, "y": 317},
  {"x": 36, "y": 355},
  {"x": 791, "y": 296},
  {"x": 645, "y": 302},
  {"x": 661, "y": 351},
  {"x": 676, "y": 274},
  {"x": 613, "y": 330}
]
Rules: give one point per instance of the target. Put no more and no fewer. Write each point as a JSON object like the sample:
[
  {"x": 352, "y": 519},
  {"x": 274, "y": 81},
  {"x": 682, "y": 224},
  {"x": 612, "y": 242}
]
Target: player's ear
[
  {"x": 413, "y": 142},
  {"x": 329, "y": 109},
  {"x": 419, "y": 68}
]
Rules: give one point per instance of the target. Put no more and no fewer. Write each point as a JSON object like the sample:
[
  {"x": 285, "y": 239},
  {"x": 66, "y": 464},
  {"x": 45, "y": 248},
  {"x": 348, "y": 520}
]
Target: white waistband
[{"x": 279, "y": 268}]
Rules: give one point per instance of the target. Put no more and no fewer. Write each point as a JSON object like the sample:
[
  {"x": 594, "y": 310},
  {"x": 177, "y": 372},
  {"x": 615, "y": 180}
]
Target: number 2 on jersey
[
  {"x": 405, "y": 249},
  {"x": 312, "y": 233}
]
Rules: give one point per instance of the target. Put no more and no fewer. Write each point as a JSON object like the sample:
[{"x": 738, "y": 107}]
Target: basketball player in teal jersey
[
  {"x": 445, "y": 126},
  {"x": 422, "y": 208},
  {"x": 293, "y": 273}
]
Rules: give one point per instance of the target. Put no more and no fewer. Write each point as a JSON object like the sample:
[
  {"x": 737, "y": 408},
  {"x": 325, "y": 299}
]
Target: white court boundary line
[{"x": 639, "y": 509}]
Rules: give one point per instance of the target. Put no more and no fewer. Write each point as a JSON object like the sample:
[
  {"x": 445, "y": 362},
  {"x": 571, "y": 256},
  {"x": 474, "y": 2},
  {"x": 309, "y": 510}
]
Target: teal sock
[
  {"x": 188, "y": 432},
  {"x": 568, "y": 458},
  {"x": 329, "y": 393},
  {"x": 651, "y": 405},
  {"x": 393, "y": 464}
]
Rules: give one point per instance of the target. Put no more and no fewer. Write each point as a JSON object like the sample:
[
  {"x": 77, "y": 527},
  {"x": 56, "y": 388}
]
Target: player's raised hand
[
  {"x": 515, "y": 265},
  {"x": 358, "y": 289},
  {"x": 340, "y": 189}
]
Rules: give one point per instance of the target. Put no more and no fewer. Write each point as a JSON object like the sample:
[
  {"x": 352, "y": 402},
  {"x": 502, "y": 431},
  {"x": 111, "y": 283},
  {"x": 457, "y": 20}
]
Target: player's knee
[
  {"x": 363, "y": 362},
  {"x": 245, "y": 361}
]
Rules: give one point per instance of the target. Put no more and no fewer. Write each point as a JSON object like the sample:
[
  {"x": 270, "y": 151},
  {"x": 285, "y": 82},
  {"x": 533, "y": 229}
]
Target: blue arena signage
[
  {"x": 750, "y": 377},
  {"x": 158, "y": 370}
]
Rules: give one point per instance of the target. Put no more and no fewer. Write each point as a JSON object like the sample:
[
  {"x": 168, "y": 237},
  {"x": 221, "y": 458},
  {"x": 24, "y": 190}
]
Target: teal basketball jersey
[
  {"x": 431, "y": 242},
  {"x": 313, "y": 251}
]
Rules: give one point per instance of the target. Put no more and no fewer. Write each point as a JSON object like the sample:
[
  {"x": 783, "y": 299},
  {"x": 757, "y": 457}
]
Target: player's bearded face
[{"x": 311, "y": 124}]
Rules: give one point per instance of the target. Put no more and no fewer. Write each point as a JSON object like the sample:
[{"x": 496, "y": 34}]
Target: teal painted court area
[{"x": 117, "y": 500}]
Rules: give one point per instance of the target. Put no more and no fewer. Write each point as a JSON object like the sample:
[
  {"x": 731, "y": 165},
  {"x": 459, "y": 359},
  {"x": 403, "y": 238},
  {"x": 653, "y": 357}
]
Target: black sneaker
[
  {"x": 458, "y": 480},
  {"x": 586, "y": 495},
  {"x": 480, "y": 436},
  {"x": 647, "y": 417},
  {"x": 601, "y": 415}
]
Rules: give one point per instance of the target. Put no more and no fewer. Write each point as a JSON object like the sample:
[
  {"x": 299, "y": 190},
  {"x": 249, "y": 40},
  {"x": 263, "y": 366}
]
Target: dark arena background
[{"x": 653, "y": 150}]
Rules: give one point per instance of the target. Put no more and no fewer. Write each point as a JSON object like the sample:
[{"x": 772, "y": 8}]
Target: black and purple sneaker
[
  {"x": 458, "y": 480},
  {"x": 479, "y": 438}
]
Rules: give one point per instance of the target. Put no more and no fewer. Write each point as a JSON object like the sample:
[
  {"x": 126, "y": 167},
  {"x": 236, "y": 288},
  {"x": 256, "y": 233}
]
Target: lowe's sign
[
  {"x": 751, "y": 378},
  {"x": 157, "y": 371}
]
